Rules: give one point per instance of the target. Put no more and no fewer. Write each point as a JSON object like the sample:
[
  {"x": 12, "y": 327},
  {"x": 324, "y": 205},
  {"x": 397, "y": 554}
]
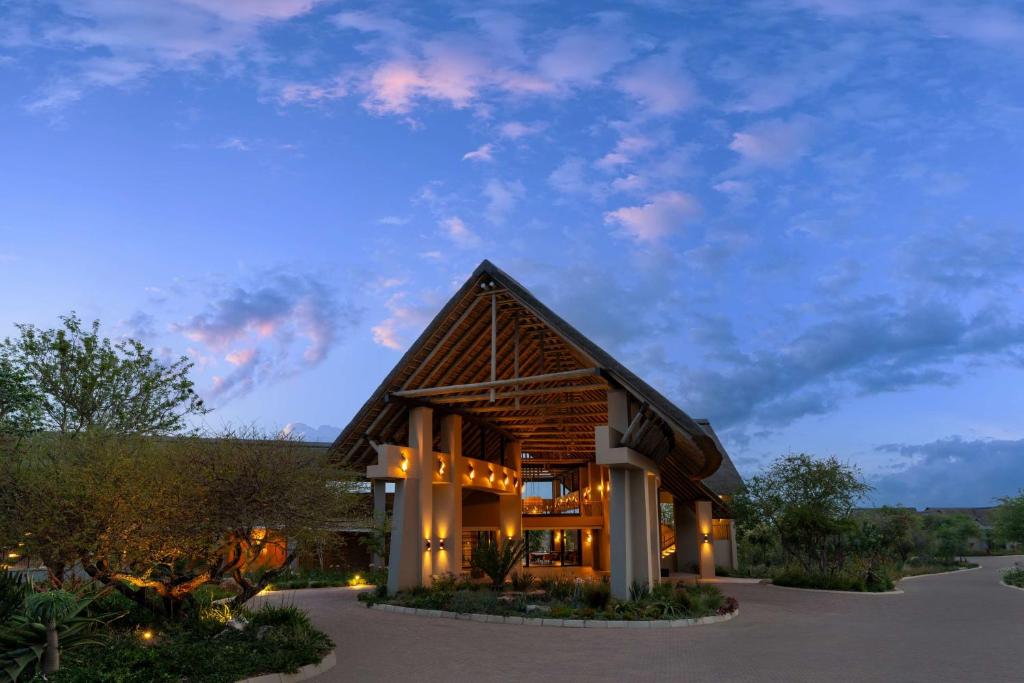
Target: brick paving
[{"x": 954, "y": 627}]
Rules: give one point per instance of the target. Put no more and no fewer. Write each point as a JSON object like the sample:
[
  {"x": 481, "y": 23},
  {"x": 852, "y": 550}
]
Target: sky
[{"x": 800, "y": 219}]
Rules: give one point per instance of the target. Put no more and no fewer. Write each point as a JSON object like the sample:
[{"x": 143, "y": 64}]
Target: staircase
[{"x": 668, "y": 541}]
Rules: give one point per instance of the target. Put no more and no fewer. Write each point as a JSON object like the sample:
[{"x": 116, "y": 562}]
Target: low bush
[
  {"x": 871, "y": 582},
  {"x": 522, "y": 581},
  {"x": 275, "y": 639},
  {"x": 1014, "y": 577},
  {"x": 569, "y": 598}
]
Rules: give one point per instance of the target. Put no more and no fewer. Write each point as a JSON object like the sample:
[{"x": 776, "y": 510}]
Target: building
[{"x": 503, "y": 421}]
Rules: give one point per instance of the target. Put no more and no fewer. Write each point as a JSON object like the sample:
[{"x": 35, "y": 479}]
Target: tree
[
  {"x": 20, "y": 404},
  {"x": 1009, "y": 519},
  {"x": 809, "y": 504},
  {"x": 82, "y": 381},
  {"x": 952, "y": 535}
]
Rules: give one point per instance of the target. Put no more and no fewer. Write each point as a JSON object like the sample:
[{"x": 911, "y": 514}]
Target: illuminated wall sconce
[
  {"x": 440, "y": 466},
  {"x": 490, "y": 477},
  {"x": 472, "y": 473},
  {"x": 707, "y": 538},
  {"x": 558, "y": 536},
  {"x": 405, "y": 464},
  {"x": 440, "y": 544},
  {"x": 504, "y": 480},
  {"x": 590, "y": 537},
  {"x": 515, "y": 481},
  {"x": 426, "y": 544}
]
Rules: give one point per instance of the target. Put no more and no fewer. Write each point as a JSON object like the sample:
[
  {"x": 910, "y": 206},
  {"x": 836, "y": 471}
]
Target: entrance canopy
[{"x": 517, "y": 372}]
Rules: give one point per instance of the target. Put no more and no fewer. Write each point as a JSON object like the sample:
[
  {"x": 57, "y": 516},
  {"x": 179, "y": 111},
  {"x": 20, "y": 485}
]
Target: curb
[
  {"x": 951, "y": 571},
  {"x": 896, "y": 591},
  {"x": 1016, "y": 588},
  {"x": 305, "y": 672},
  {"x": 562, "y": 623}
]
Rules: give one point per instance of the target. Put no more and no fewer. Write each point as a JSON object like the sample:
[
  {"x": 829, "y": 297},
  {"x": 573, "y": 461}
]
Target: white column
[
  {"x": 447, "y": 508},
  {"x": 411, "y": 525},
  {"x": 654, "y": 525},
  {"x": 619, "y": 532}
]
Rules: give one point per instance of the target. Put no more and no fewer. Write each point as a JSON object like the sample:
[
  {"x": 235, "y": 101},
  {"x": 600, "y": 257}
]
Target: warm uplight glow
[
  {"x": 12, "y": 555},
  {"x": 558, "y": 536},
  {"x": 600, "y": 487},
  {"x": 472, "y": 472},
  {"x": 590, "y": 537},
  {"x": 707, "y": 538},
  {"x": 440, "y": 465},
  {"x": 357, "y": 580},
  {"x": 426, "y": 544},
  {"x": 504, "y": 481},
  {"x": 405, "y": 464},
  {"x": 440, "y": 544},
  {"x": 267, "y": 589},
  {"x": 147, "y": 635},
  {"x": 491, "y": 476}
]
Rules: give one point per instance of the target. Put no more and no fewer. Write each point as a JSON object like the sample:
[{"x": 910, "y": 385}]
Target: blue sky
[{"x": 801, "y": 219}]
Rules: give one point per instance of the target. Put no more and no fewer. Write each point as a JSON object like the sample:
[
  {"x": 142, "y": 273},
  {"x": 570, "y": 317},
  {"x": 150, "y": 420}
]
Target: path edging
[
  {"x": 895, "y": 591},
  {"x": 563, "y": 623},
  {"x": 306, "y": 672},
  {"x": 951, "y": 571},
  {"x": 1008, "y": 585}
]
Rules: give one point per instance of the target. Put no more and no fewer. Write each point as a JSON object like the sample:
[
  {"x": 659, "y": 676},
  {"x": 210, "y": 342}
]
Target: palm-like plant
[
  {"x": 32, "y": 638},
  {"x": 496, "y": 561}
]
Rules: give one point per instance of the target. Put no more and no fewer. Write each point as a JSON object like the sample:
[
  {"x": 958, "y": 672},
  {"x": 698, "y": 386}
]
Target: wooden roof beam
[{"x": 495, "y": 384}]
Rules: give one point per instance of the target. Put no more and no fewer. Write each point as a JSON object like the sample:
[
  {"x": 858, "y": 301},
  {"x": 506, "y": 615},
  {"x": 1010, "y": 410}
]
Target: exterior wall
[{"x": 447, "y": 501}]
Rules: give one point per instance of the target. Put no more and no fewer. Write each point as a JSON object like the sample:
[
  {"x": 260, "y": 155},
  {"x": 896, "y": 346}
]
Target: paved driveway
[{"x": 954, "y": 627}]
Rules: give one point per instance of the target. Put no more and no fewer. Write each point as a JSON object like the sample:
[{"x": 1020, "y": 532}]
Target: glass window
[
  {"x": 551, "y": 490},
  {"x": 557, "y": 548},
  {"x": 471, "y": 540}
]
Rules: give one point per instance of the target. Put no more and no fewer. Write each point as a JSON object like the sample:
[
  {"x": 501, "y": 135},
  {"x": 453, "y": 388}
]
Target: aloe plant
[
  {"x": 32, "y": 638},
  {"x": 496, "y": 561}
]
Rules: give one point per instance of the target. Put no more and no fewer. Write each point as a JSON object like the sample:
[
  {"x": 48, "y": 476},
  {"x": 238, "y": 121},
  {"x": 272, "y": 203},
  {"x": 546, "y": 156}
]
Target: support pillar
[
  {"x": 687, "y": 552},
  {"x": 620, "y": 532},
  {"x": 705, "y": 539},
  {"x": 379, "y": 514},
  {"x": 510, "y": 507},
  {"x": 447, "y": 503},
  {"x": 410, "y": 562}
]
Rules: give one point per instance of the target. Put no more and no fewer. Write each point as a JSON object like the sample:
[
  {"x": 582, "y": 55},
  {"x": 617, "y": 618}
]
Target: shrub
[
  {"x": 699, "y": 601},
  {"x": 522, "y": 581},
  {"x": 596, "y": 595},
  {"x": 639, "y": 591},
  {"x": 497, "y": 560},
  {"x": 473, "y": 602},
  {"x": 730, "y": 605},
  {"x": 1014, "y": 576}
]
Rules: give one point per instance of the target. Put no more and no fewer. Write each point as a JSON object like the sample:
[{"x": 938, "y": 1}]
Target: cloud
[
  {"x": 481, "y": 153},
  {"x": 663, "y": 215},
  {"x": 236, "y": 144},
  {"x": 568, "y": 177},
  {"x": 964, "y": 256},
  {"x": 774, "y": 143},
  {"x": 459, "y": 233},
  {"x": 740, "y": 192},
  {"x": 581, "y": 56},
  {"x": 301, "y": 430},
  {"x": 502, "y": 198},
  {"x": 136, "y": 39},
  {"x": 513, "y": 130},
  {"x": 865, "y": 347},
  {"x": 626, "y": 151},
  {"x": 660, "y": 85},
  {"x": 279, "y": 326},
  {"x": 952, "y": 472},
  {"x": 404, "y": 319}
]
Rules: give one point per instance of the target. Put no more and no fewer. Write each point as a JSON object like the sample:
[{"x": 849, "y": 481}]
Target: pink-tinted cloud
[
  {"x": 774, "y": 143},
  {"x": 481, "y": 153},
  {"x": 458, "y": 232},
  {"x": 660, "y": 85},
  {"x": 663, "y": 215},
  {"x": 282, "y": 325},
  {"x": 404, "y": 320}
]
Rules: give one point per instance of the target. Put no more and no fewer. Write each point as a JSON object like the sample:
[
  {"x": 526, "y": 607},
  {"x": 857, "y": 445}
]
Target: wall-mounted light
[
  {"x": 405, "y": 464},
  {"x": 440, "y": 544},
  {"x": 600, "y": 487},
  {"x": 558, "y": 536},
  {"x": 491, "y": 476},
  {"x": 590, "y": 537},
  {"x": 440, "y": 466},
  {"x": 707, "y": 538},
  {"x": 515, "y": 481},
  {"x": 504, "y": 480},
  {"x": 472, "y": 472},
  {"x": 426, "y": 544}
]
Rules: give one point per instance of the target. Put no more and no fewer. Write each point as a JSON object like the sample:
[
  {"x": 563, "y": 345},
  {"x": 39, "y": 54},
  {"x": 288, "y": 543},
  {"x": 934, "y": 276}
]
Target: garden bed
[
  {"x": 1014, "y": 577},
  {"x": 560, "y": 599},
  {"x": 271, "y": 640}
]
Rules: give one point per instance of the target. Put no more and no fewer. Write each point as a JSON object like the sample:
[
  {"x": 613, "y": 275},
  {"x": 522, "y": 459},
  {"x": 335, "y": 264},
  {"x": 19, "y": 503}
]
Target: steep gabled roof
[
  {"x": 726, "y": 481},
  {"x": 555, "y": 419}
]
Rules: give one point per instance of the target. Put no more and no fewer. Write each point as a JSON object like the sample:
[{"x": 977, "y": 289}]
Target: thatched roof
[
  {"x": 554, "y": 417},
  {"x": 726, "y": 481}
]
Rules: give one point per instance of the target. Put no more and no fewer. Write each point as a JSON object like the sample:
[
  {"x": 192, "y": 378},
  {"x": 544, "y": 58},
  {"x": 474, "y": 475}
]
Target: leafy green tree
[
  {"x": 808, "y": 503},
  {"x": 898, "y": 530},
  {"x": 20, "y": 404},
  {"x": 1009, "y": 519},
  {"x": 83, "y": 381},
  {"x": 952, "y": 534}
]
